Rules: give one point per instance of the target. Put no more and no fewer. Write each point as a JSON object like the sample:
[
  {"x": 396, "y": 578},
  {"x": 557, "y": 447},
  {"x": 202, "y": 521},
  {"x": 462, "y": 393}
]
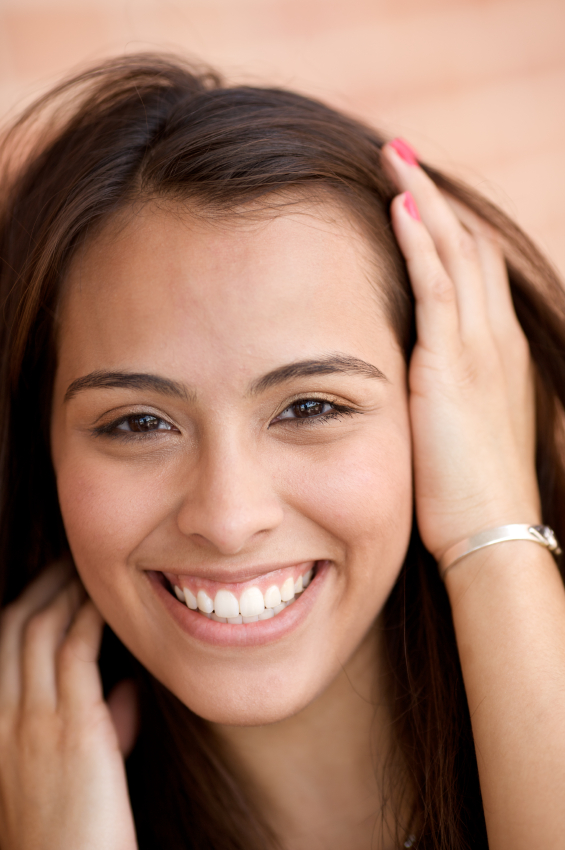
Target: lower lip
[{"x": 244, "y": 634}]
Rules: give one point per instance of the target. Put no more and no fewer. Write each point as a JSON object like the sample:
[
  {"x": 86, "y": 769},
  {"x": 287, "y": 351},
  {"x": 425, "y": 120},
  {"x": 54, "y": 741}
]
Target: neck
[{"x": 315, "y": 776}]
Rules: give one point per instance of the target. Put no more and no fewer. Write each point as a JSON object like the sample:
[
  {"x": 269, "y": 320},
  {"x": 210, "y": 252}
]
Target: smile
[{"x": 261, "y": 599}]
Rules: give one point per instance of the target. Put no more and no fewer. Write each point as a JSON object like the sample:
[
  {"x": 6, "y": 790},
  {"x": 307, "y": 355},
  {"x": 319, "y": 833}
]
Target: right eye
[
  {"x": 135, "y": 423},
  {"x": 143, "y": 423}
]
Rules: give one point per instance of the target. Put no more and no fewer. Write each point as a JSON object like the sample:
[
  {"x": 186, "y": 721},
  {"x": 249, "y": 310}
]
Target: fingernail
[
  {"x": 404, "y": 151},
  {"x": 410, "y": 206}
]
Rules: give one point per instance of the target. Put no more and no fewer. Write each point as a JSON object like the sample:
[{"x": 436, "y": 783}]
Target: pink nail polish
[
  {"x": 404, "y": 151},
  {"x": 410, "y": 206}
]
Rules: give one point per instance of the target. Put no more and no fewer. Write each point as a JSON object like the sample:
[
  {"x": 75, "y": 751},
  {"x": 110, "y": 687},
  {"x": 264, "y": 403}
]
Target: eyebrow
[
  {"x": 329, "y": 365},
  {"x": 126, "y": 381}
]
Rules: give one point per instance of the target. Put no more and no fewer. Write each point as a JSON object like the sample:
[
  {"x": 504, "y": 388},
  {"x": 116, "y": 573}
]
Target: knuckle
[
  {"x": 441, "y": 288},
  {"x": 459, "y": 241},
  {"x": 69, "y": 652},
  {"x": 38, "y": 626},
  {"x": 478, "y": 365},
  {"x": 466, "y": 245},
  {"x": 468, "y": 373},
  {"x": 66, "y": 654}
]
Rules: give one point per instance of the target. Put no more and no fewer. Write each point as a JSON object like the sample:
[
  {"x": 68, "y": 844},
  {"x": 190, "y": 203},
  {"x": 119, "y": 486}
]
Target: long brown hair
[{"x": 150, "y": 126}]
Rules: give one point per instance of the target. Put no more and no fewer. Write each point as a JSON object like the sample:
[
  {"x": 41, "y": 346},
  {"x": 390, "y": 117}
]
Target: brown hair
[{"x": 151, "y": 126}]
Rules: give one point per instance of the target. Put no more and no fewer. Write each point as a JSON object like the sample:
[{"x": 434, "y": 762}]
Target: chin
[{"x": 251, "y": 694}]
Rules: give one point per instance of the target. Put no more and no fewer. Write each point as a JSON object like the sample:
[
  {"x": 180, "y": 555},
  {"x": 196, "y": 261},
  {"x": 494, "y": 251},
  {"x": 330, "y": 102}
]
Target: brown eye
[
  {"x": 313, "y": 410},
  {"x": 312, "y": 407},
  {"x": 308, "y": 408},
  {"x": 143, "y": 423}
]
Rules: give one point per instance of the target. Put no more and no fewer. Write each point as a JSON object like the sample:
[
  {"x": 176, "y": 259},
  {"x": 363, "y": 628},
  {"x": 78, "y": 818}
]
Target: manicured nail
[
  {"x": 404, "y": 151},
  {"x": 410, "y": 206}
]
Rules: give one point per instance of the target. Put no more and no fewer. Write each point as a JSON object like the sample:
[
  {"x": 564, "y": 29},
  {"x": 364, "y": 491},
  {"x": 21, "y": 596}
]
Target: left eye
[
  {"x": 307, "y": 409},
  {"x": 142, "y": 423}
]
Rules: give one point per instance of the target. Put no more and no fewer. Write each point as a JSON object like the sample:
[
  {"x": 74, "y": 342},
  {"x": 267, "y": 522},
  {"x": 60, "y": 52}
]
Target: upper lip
[{"x": 229, "y": 575}]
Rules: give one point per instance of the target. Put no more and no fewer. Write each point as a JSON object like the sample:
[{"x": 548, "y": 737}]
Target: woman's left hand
[
  {"x": 473, "y": 426},
  {"x": 470, "y": 378}
]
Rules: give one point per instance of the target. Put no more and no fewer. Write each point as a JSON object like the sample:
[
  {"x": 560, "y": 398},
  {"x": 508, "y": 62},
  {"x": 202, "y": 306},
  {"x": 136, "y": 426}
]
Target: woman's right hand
[{"x": 62, "y": 775}]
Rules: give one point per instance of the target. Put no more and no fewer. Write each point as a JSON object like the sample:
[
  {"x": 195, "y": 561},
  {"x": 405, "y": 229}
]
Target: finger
[
  {"x": 455, "y": 246},
  {"x": 502, "y": 317},
  {"x": 43, "y": 634},
  {"x": 510, "y": 340},
  {"x": 124, "y": 708},
  {"x": 500, "y": 305},
  {"x": 78, "y": 677},
  {"x": 436, "y": 303},
  {"x": 12, "y": 622}
]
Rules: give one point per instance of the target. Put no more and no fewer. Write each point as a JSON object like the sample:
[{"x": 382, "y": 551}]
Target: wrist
[
  {"x": 499, "y": 575},
  {"x": 444, "y": 525},
  {"x": 541, "y": 535}
]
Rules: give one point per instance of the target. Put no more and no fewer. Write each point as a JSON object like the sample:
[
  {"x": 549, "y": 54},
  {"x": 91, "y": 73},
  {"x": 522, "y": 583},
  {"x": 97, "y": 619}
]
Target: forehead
[{"x": 161, "y": 276}]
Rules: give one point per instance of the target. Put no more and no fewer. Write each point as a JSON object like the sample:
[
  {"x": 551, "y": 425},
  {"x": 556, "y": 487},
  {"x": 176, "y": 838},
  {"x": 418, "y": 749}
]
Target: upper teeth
[{"x": 252, "y": 604}]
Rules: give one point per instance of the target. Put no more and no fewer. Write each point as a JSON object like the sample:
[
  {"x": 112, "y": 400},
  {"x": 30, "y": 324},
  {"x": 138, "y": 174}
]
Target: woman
[{"x": 220, "y": 367}]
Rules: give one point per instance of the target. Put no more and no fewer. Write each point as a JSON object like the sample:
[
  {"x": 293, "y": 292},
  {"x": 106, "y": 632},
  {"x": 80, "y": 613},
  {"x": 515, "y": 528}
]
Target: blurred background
[{"x": 477, "y": 86}]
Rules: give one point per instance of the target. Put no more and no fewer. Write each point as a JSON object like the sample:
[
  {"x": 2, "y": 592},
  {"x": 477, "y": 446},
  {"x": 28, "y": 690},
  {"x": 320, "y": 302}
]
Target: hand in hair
[
  {"x": 62, "y": 777},
  {"x": 473, "y": 424},
  {"x": 472, "y": 395}
]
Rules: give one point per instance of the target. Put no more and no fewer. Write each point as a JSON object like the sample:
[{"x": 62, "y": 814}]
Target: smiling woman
[
  {"x": 226, "y": 489},
  {"x": 244, "y": 343}
]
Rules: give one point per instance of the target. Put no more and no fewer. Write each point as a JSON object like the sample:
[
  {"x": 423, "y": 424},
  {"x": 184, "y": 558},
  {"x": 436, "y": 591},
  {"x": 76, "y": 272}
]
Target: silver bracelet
[{"x": 541, "y": 534}]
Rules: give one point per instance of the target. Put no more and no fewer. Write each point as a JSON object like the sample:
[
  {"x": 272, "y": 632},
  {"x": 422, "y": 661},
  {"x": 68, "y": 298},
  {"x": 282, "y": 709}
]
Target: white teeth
[
  {"x": 218, "y": 619},
  {"x": 190, "y": 599},
  {"x": 272, "y": 597},
  {"x": 251, "y": 603},
  {"x": 226, "y": 604},
  {"x": 287, "y": 590},
  {"x": 251, "y": 607},
  {"x": 205, "y": 604}
]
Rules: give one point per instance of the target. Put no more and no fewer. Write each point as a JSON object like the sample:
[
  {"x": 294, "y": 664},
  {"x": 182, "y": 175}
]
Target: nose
[{"x": 231, "y": 498}]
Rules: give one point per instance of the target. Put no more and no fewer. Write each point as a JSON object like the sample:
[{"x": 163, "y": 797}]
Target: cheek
[
  {"x": 107, "y": 509},
  {"x": 364, "y": 491},
  {"x": 363, "y": 496}
]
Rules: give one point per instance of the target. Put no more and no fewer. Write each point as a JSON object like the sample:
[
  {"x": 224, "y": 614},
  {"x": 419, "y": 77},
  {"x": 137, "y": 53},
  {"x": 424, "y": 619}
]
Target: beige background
[{"x": 476, "y": 85}]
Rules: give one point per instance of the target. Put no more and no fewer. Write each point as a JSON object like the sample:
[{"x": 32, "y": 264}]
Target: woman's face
[{"x": 230, "y": 417}]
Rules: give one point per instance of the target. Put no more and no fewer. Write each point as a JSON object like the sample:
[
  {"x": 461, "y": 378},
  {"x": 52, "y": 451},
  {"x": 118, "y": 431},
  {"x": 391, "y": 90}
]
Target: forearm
[{"x": 508, "y": 605}]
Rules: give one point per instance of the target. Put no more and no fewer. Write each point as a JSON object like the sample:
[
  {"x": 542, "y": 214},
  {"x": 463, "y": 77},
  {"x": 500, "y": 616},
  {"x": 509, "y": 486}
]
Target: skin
[
  {"x": 230, "y": 487},
  {"x": 215, "y": 307}
]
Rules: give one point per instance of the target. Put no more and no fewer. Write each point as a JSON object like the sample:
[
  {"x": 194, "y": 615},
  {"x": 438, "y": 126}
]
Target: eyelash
[
  {"x": 112, "y": 429},
  {"x": 338, "y": 412}
]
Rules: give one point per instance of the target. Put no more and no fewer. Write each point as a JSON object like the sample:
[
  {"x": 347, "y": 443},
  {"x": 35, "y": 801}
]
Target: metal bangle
[{"x": 541, "y": 534}]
